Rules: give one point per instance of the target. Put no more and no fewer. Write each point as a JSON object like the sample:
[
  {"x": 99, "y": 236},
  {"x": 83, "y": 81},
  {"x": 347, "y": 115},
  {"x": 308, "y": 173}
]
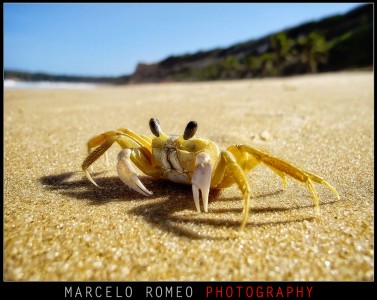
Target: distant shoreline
[{"x": 18, "y": 84}]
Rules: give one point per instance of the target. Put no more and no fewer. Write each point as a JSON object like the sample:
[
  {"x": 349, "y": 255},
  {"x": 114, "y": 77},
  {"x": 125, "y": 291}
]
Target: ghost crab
[{"x": 196, "y": 161}]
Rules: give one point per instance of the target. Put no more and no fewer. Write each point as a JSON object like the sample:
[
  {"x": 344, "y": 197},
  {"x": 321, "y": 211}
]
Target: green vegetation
[
  {"x": 310, "y": 53},
  {"x": 353, "y": 49},
  {"x": 335, "y": 43}
]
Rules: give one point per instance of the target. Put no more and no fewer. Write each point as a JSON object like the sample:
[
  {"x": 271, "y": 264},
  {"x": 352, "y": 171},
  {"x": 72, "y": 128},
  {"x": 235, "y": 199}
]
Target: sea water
[{"x": 16, "y": 84}]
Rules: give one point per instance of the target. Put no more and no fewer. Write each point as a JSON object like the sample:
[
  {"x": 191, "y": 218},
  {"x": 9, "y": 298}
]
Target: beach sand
[{"x": 58, "y": 226}]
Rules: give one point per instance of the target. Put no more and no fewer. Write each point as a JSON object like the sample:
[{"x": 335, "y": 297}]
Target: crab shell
[{"x": 179, "y": 158}]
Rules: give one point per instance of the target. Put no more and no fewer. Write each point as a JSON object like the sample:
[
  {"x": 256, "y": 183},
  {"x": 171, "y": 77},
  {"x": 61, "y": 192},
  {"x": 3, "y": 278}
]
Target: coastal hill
[{"x": 334, "y": 43}]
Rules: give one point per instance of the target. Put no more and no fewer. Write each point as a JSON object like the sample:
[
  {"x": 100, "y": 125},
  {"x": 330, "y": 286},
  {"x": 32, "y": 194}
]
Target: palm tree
[
  {"x": 282, "y": 47},
  {"x": 313, "y": 50}
]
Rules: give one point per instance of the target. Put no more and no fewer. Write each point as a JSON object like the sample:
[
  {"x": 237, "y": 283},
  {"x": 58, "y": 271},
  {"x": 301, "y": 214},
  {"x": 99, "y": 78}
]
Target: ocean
[{"x": 15, "y": 84}]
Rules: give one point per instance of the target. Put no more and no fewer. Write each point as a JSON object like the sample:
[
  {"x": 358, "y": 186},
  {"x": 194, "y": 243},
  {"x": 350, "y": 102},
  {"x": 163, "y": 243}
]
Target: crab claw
[
  {"x": 201, "y": 180},
  {"x": 128, "y": 175}
]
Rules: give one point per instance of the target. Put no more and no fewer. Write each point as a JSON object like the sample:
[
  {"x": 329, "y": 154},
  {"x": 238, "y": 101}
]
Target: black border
[
  {"x": 200, "y": 290},
  {"x": 56, "y": 290}
]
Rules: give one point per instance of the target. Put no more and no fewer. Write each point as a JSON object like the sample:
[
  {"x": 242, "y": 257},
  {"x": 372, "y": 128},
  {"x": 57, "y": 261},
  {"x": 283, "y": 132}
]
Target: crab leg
[
  {"x": 240, "y": 178},
  {"x": 282, "y": 167},
  {"x": 248, "y": 162},
  {"x": 127, "y": 173},
  {"x": 140, "y": 156},
  {"x": 94, "y": 155},
  {"x": 229, "y": 171},
  {"x": 201, "y": 180},
  {"x": 99, "y": 139},
  {"x": 120, "y": 135}
]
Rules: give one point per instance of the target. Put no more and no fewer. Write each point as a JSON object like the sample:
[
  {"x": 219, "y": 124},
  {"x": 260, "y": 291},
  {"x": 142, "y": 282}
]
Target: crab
[{"x": 196, "y": 161}]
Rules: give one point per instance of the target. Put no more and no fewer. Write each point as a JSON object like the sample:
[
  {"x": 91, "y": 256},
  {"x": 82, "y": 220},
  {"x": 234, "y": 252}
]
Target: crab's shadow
[{"x": 165, "y": 214}]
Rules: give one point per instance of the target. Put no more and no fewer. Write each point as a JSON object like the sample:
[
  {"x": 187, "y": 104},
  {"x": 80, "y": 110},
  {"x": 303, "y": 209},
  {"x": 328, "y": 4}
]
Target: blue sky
[{"x": 110, "y": 39}]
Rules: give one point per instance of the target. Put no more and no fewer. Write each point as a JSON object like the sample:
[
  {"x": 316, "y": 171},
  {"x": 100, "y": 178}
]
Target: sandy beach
[{"x": 58, "y": 226}]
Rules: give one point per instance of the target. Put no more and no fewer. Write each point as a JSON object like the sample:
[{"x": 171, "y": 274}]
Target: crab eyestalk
[
  {"x": 190, "y": 130},
  {"x": 154, "y": 125}
]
